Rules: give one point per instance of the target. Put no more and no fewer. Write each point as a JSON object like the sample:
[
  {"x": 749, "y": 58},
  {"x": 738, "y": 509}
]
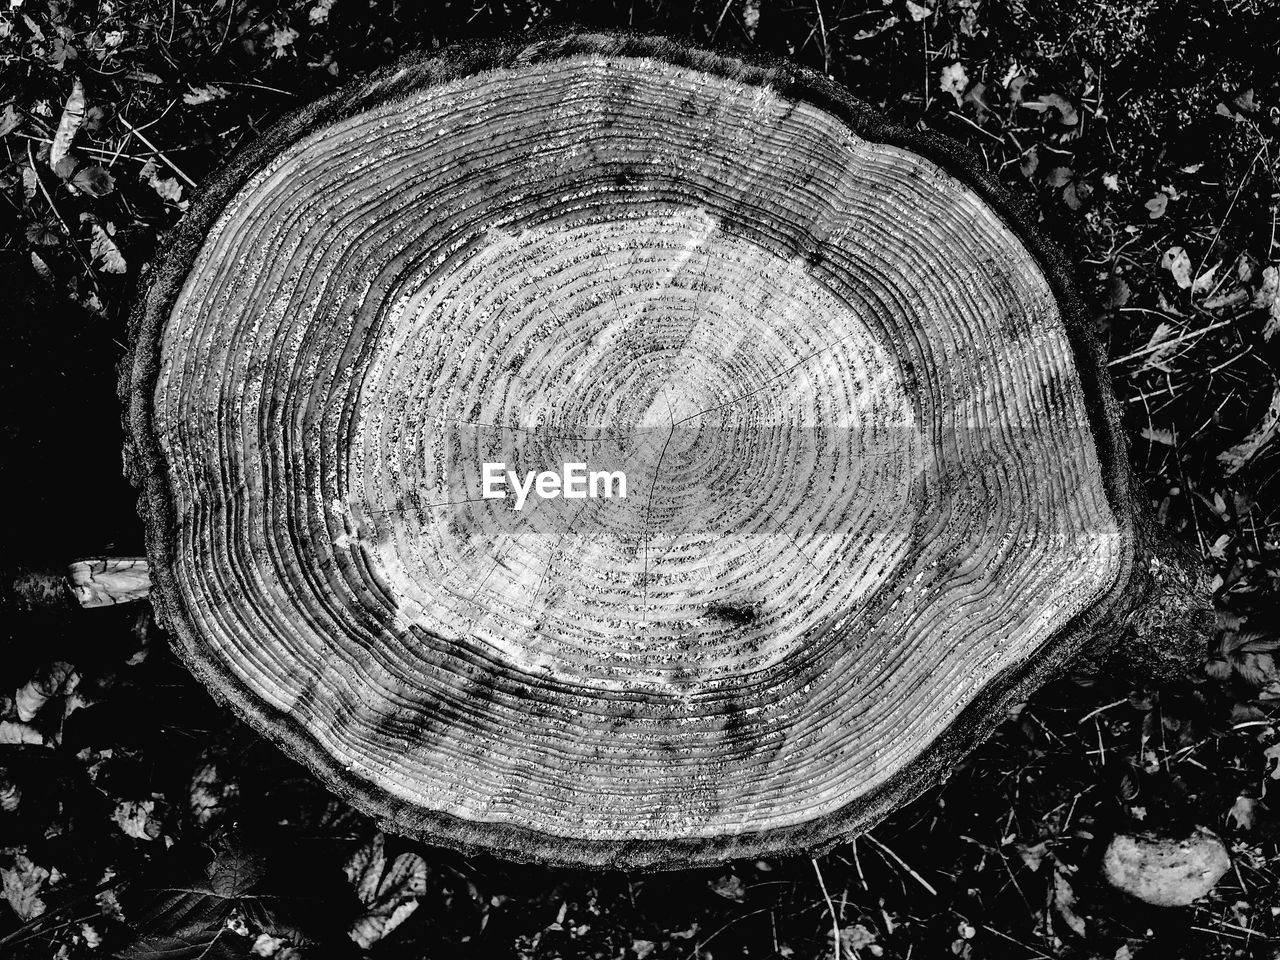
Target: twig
[
  {"x": 159, "y": 153},
  {"x": 903, "y": 864},
  {"x": 822, "y": 34},
  {"x": 1223, "y": 222},
  {"x": 1034, "y": 952},
  {"x": 720, "y": 19},
  {"x": 1103, "y": 709},
  {"x": 102, "y": 153},
  {"x": 1166, "y": 344},
  {"x": 71, "y": 238},
  {"x": 831, "y": 908},
  {"x": 857, "y": 863}
]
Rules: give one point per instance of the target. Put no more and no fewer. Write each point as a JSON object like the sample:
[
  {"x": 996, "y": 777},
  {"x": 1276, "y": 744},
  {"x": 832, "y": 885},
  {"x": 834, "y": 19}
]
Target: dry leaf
[
  {"x": 1117, "y": 292},
  {"x": 46, "y": 684},
  {"x": 1241, "y": 813},
  {"x": 390, "y": 892},
  {"x": 1261, "y": 435},
  {"x": 1157, "y": 205},
  {"x": 199, "y": 95},
  {"x": 1272, "y": 753},
  {"x": 1160, "y": 347},
  {"x": 729, "y": 886},
  {"x": 1059, "y": 176},
  {"x": 282, "y": 39},
  {"x": 136, "y": 819},
  {"x": 22, "y": 884},
  {"x": 10, "y": 794},
  {"x": 1176, "y": 261},
  {"x": 94, "y": 180},
  {"x": 1064, "y": 900},
  {"x": 1206, "y": 280},
  {"x": 14, "y": 733},
  {"x": 1032, "y": 855},
  {"x": 320, "y": 12},
  {"x": 106, "y": 255},
  {"x": 876, "y": 29},
  {"x": 9, "y": 120},
  {"x": 1268, "y": 298},
  {"x": 68, "y": 126},
  {"x": 955, "y": 80},
  {"x": 209, "y": 793},
  {"x": 1052, "y": 101}
]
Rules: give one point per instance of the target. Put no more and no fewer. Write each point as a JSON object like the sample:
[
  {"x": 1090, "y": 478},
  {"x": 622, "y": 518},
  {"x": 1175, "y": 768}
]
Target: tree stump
[{"x": 875, "y": 491}]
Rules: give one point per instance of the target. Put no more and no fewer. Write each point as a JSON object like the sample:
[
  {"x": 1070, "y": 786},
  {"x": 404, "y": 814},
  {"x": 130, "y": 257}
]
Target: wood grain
[{"x": 874, "y": 490}]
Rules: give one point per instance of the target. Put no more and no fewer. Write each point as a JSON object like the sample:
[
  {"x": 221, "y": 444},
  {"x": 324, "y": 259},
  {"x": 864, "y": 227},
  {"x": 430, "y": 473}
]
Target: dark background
[{"x": 151, "y": 824}]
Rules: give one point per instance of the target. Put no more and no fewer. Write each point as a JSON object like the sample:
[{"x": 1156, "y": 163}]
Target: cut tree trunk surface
[{"x": 874, "y": 487}]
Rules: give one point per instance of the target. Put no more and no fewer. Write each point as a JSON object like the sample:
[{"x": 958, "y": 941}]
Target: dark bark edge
[{"x": 145, "y": 466}]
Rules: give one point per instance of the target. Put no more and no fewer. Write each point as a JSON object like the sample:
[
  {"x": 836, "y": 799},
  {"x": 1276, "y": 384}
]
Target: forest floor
[{"x": 150, "y": 823}]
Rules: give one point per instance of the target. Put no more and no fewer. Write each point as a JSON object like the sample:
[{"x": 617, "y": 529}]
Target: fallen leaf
[
  {"x": 390, "y": 892},
  {"x": 69, "y": 125},
  {"x": 1030, "y": 162},
  {"x": 1157, "y": 205},
  {"x": 14, "y": 733},
  {"x": 201, "y": 910},
  {"x": 1272, "y": 757},
  {"x": 199, "y": 95},
  {"x": 282, "y": 39},
  {"x": 876, "y": 29},
  {"x": 1205, "y": 281},
  {"x": 136, "y": 819},
  {"x": 94, "y": 180},
  {"x": 9, "y": 120},
  {"x": 48, "y": 682},
  {"x": 1158, "y": 436},
  {"x": 1160, "y": 347},
  {"x": 955, "y": 80},
  {"x": 105, "y": 253},
  {"x": 320, "y": 12},
  {"x": 1176, "y": 261},
  {"x": 1032, "y": 855},
  {"x": 267, "y": 945},
  {"x": 1053, "y": 101},
  {"x": 856, "y": 937},
  {"x": 1064, "y": 900},
  {"x": 1058, "y": 176},
  {"x": 1077, "y": 194},
  {"x": 185, "y": 917},
  {"x": 919, "y": 12},
  {"x": 209, "y": 793},
  {"x": 1242, "y": 813},
  {"x": 21, "y": 886},
  {"x": 10, "y": 794},
  {"x": 1117, "y": 292},
  {"x": 729, "y": 886},
  {"x": 1268, "y": 298},
  {"x": 1262, "y": 434}
]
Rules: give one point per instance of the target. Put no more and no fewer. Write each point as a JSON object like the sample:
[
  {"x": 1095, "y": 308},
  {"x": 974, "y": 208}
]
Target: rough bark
[{"x": 877, "y": 489}]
